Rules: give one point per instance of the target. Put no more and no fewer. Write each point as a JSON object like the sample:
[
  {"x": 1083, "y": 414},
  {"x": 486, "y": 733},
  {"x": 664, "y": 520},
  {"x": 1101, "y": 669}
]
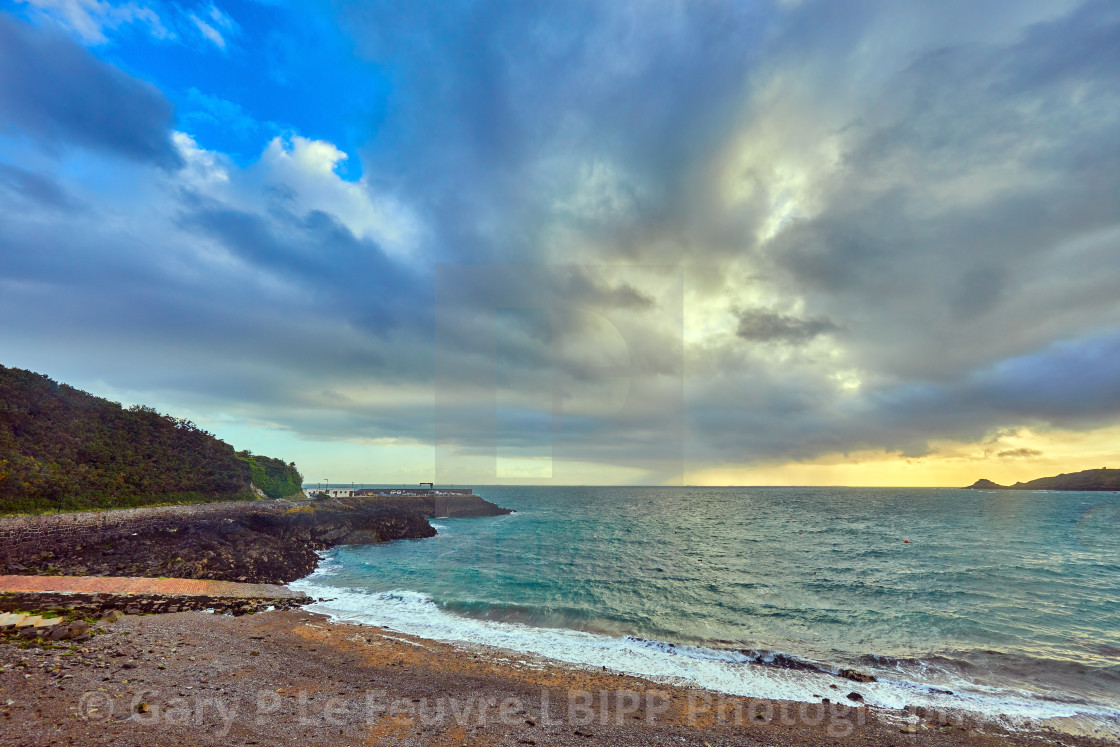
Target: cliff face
[
  {"x": 276, "y": 543},
  {"x": 1091, "y": 479}
]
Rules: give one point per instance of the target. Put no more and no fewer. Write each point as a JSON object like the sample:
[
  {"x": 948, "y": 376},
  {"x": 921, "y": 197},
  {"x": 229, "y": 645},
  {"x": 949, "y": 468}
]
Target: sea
[{"x": 1005, "y": 604}]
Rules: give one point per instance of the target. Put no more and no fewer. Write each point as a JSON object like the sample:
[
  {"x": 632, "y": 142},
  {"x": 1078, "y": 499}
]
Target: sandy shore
[{"x": 295, "y": 678}]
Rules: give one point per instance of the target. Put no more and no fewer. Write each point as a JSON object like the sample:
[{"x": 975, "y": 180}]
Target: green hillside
[
  {"x": 64, "y": 449},
  {"x": 275, "y": 478}
]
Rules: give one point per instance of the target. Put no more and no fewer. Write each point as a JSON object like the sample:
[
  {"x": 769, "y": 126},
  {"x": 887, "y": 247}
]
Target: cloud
[
  {"x": 38, "y": 189},
  {"x": 213, "y": 25},
  {"x": 99, "y": 22},
  {"x": 209, "y": 32},
  {"x": 910, "y": 209},
  {"x": 761, "y": 325},
  {"x": 306, "y": 169},
  {"x": 313, "y": 249},
  {"x": 1021, "y": 453},
  {"x": 90, "y": 19},
  {"x": 54, "y": 92},
  {"x": 959, "y": 188}
]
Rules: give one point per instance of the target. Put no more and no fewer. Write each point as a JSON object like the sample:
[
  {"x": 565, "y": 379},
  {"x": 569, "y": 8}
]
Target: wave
[
  {"x": 747, "y": 672},
  {"x": 329, "y": 564},
  {"x": 1065, "y": 681}
]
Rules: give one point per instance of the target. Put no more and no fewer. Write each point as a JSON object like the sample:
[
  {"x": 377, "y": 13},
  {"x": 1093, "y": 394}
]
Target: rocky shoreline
[{"x": 274, "y": 543}]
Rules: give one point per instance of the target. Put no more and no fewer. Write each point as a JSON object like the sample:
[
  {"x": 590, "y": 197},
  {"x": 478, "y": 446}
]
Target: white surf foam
[
  {"x": 329, "y": 565},
  {"x": 730, "y": 672}
]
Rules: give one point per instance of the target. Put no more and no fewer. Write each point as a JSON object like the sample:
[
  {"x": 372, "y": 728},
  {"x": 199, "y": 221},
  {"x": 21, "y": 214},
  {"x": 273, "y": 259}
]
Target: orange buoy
[{"x": 905, "y": 540}]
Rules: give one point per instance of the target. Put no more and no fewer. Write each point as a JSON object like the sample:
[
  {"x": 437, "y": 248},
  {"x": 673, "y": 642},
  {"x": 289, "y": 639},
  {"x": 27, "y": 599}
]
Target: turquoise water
[{"x": 1010, "y": 600}]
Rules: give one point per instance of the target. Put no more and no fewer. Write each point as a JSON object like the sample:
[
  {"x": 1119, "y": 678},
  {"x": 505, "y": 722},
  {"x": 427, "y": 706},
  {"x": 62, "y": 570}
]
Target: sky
[{"x": 782, "y": 242}]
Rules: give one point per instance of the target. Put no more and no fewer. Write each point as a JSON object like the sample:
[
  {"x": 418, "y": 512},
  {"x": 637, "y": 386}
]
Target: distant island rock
[
  {"x": 1090, "y": 479},
  {"x": 983, "y": 484}
]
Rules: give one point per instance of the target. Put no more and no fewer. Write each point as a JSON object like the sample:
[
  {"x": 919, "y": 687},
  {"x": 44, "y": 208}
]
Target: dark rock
[
  {"x": 856, "y": 676},
  {"x": 273, "y": 543},
  {"x": 856, "y": 697}
]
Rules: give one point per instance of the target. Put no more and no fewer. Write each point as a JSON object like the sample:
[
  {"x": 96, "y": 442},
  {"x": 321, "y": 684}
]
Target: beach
[
  {"x": 803, "y": 619},
  {"x": 292, "y": 677}
]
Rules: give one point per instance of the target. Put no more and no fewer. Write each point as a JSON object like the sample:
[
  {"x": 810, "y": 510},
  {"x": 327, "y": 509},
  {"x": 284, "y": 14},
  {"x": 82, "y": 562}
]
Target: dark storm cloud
[
  {"x": 1071, "y": 383},
  {"x": 950, "y": 122},
  {"x": 761, "y": 325},
  {"x": 56, "y": 93},
  {"x": 941, "y": 246},
  {"x": 503, "y": 104},
  {"x": 798, "y": 413},
  {"x": 38, "y": 189},
  {"x": 317, "y": 252},
  {"x": 939, "y": 182},
  {"x": 966, "y": 246},
  {"x": 216, "y": 337},
  {"x": 1023, "y": 453}
]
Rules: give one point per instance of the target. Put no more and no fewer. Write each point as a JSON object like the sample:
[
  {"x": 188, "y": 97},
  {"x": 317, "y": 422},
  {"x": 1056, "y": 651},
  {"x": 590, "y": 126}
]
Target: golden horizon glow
[{"x": 950, "y": 463}]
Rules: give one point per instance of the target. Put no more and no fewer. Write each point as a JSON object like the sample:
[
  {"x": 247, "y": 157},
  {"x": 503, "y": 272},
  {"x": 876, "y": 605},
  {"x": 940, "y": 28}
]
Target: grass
[{"x": 172, "y": 499}]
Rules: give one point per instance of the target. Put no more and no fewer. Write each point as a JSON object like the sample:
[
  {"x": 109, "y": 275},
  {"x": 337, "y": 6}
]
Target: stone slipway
[
  {"x": 135, "y": 595},
  {"x": 162, "y": 586}
]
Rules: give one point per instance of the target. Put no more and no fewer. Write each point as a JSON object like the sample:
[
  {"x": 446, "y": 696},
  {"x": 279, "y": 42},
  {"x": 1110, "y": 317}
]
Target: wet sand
[{"x": 295, "y": 678}]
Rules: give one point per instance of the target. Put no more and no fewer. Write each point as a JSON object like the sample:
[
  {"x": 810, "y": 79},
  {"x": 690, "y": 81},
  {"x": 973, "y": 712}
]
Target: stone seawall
[{"x": 459, "y": 506}]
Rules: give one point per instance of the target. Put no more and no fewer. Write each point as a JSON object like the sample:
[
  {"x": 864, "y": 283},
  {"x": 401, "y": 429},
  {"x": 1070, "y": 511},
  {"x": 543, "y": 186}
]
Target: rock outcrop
[
  {"x": 984, "y": 484},
  {"x": 276, "y": 544}
]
